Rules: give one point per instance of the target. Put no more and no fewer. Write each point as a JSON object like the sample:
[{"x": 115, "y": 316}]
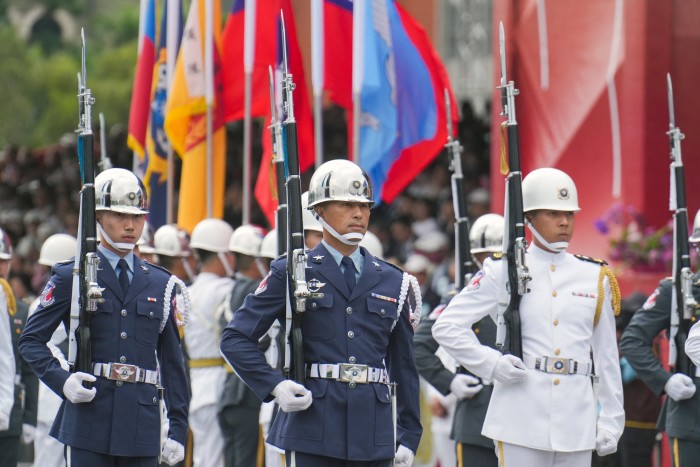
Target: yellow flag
[{"x": 185, "y": 120}]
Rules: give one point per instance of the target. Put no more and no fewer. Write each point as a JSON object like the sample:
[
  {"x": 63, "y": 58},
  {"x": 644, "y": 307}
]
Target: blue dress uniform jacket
[
  {"x": 123, "y": 419},
  {"x": 343, "y": 422}
]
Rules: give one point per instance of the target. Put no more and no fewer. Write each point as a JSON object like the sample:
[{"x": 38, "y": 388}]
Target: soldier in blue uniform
[
  {"x": 356, "y": 338},
  {"x": 135, "y": 345}
]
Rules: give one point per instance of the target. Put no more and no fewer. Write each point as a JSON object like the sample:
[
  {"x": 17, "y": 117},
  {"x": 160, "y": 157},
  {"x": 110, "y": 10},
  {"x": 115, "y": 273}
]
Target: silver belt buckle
[
  {"x": 352, "y": 373},
  {"x": 557, "y": 365},
  {"x": 123, "y": 372}
]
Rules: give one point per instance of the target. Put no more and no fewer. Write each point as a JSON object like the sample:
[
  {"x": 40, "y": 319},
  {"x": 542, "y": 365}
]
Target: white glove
[
  {"x": 28, "y": 432},
  {"x": 74, "y": 390},
  {"x": 509, "y": 369},
  {"x": 680, "y": 387},
  {"x": 4, "y": 421},
  {"x": 403, "y": 457},
  {"x": 291, "y": 396},
  {"x": 173, "y": 452},
  {"x": 605, "y": 443},
  {"x": 465, "y": 386}
]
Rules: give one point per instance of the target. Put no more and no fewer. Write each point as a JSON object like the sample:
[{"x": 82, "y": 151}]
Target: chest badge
[
  {"x": 318, "y": 257},
  {"x": 315, "y": 285}
]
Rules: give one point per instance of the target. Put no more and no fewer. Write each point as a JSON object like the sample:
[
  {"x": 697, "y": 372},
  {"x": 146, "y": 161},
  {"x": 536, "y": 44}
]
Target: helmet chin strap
[
  {"x": 261, "y": 268},
  {"x": 352, "y": 238},
  {"x": 227, "y": 266},
  {"x": 556, "y": 246},
  {"x": 122, "y": 247},
  {"x": 188, "y": 269}
]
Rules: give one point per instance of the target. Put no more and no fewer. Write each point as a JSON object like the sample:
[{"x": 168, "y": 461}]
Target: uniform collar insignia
[
  {"x": 315, "y": 285},
  {"x": 318, "y": 257},
  {"x": 376, "y": 264},
  {"x": 144, "y": 268}
]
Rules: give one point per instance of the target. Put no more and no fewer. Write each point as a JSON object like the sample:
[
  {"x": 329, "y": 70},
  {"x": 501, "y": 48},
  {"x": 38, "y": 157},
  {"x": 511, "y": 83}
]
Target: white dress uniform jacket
[
  {"x": 7, "y": 364},
  {"x": 546, "y": 411}
]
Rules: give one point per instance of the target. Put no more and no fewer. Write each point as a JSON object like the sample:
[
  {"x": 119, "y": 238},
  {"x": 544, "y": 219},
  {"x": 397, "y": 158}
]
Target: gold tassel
[
  {"x": 614, "y": 289},
  {"x": 11, "y": 304}
]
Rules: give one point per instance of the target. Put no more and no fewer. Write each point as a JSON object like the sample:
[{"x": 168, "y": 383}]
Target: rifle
[
  {"x": 296, "y": 255},
  {"x": 86, "y": 293},
  {"x": 278, "y": 161},
  {"x": 682, "y": 300},
  {"x": 105, "y": 162},
  {"x": 464, "y": 266},
  {"x": 508, "y": 318}
]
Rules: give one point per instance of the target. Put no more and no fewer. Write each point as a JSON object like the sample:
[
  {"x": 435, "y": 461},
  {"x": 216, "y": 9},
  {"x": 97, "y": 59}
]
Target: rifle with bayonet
[
  {"x": 278, "y": 161},
  {"x": 518, "y": 275},
  {"x": 296, "y": 254},
  {"x": 86, "y": 293},
  {"x": 683, "y": 302},
  {"x": 464, "y": 266}
]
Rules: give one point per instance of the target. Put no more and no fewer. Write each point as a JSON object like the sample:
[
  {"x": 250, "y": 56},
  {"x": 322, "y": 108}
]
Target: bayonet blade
[
  {"x": 671, "y": 113},
  {"x": 502, "y": 50},
  {"x": 448, "y": 110}
]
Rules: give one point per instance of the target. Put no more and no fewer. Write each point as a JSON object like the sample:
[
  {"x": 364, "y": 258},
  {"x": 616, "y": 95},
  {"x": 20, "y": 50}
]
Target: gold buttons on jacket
[
  {"x": 555, "y": 322},
  {"x": 557, "y": 351},
  {"x": 556, "y": 381},
  {"x": 552, "y": 267},
  {"x": 554, "y": 293}
]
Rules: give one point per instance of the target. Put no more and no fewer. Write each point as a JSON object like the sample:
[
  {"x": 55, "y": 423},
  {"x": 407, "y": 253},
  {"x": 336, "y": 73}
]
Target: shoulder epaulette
[
  {"x": 383, "y": 261},
  {"x": 65, "y": 261},
  {"x": 156, "y": 266},
  {"x": 600, "y": 262}
]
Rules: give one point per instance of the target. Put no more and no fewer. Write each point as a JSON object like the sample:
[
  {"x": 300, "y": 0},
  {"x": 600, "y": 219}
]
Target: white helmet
[
  {"x": 145, "y": 242},
  {"x": 268, "y": 247},
  {"x": 486, "y": 235},
  {"x": 246, "y": 240},
  {"x": 58, "y": 247},
  {"x": 372, "y": 243},
  {"x": 170, "y": 240},
  {"x": 309, "y": 220},
  {"x": 549, "y": 188},
  {"x": 695, "y": 236},
  {"x": 120, "y": 190},
  {"x": 5, "y": 246},
  {"x": 340, "y": 180},
  {"x": 211, "y": 235}
]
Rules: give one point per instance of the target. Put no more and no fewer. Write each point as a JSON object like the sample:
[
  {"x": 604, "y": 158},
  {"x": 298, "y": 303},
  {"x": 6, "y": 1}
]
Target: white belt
[
  {"x": 558, "y": 365},
  {"x": 347, "y": 372},
  {"x": 124, "y": 372}
]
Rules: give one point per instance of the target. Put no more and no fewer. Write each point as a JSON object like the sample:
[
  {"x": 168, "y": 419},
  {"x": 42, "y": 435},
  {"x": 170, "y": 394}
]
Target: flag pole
[
  {"x": 248, "y": 59},
  {"x": 143, "y": 8},
  {"x": 358, "y": 47},
  {"x": 317, "y": 27},
  {"x": 209, "y": 94},
  {"x": 171, "y": 44}
]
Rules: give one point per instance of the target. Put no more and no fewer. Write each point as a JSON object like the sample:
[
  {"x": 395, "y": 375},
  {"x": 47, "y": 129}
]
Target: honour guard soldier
[
  {"x": 357, "y": 338},
  {"x": 171, "y": 248},
  {"x": 210, "y": 240},
  {"x": 26, "y": 385},
  {"x": 544, "y": 410},
  {"x": 473, "y": 393},
  {"x": 239, "y": 407},
  {"x": 135, "y": 345},
  {"x": 681, "y": 412},
  {"x": 48, "y": 452},
  {"x": 7, "y": 354}
]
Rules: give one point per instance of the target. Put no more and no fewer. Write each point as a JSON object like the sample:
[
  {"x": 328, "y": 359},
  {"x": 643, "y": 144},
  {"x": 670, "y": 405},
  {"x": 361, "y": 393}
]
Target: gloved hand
[
  {"x": 291, "y": 396},
  {"x": 404, "y": 457},
  {"x": 509, "y": 369},
  {"x": 28, "y": 432},
  {"x": 680, "y": 387},
  {"x": 4, "y": 421},
  {"x": 605, "y": 443},
  {"x": 173, "y": 452},
  {"x": 465, "y": 386},
  {"x": 74, "y": 390}
]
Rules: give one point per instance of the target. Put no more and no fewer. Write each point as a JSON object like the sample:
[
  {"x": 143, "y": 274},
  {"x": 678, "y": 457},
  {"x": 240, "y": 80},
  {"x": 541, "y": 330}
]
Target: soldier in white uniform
[
  {"x": 210, "y": 240},
  {"x": 48, "y": 451},
  {"x": 543, "y": 411},
  {"x": 7, "y": 354}
]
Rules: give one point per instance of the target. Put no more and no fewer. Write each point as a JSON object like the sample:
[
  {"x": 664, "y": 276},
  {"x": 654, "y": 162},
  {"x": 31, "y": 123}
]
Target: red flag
[
  {"x": 266, "y": 37},
  {"x": 141, "y": 94},
  {"x": 337, "y": 54},
  {"x": 266, "y": 184}
]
